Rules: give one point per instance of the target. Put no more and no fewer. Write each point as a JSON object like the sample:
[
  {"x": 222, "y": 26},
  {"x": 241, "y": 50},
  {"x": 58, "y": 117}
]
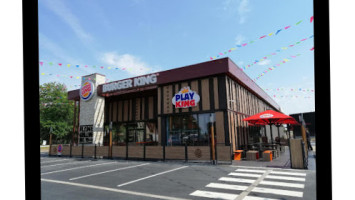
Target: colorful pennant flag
[
  {"x": 268, "y": 56},
  {"x": 261, "y": 37}
]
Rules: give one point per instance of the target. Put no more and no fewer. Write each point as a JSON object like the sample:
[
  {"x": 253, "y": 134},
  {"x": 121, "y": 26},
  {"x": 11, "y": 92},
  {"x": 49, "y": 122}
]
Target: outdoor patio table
[
  {"x": 252, "y": 155},
  {"x": 267, "y": 155}
]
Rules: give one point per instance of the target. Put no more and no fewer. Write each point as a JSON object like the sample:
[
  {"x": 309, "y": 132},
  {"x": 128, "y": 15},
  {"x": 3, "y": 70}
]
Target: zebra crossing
[{"x": 255, "y": 184}]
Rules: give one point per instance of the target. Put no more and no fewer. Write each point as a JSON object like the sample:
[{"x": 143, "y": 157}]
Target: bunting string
[
  {"x": 291, "y": 96},
  {"x": 60, "y": 64},
  {"x": 69, "y": 76},
  {"x": 274, "y": 53},
  {"x": 238, "y": 46},
  {"x": 288, "y": 89},
  {"x": 277, "y": 65}
]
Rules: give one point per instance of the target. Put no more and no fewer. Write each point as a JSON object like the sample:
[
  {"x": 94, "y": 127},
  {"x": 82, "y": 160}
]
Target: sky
[{"x": 123, "y": 39}]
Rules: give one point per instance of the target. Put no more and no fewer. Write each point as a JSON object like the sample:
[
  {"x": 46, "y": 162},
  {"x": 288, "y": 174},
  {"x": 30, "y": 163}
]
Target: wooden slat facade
[
  {"x": 241, "y": 103},
  {"x": 125, "y": 110},
  {"x": 229, "y": 100}
]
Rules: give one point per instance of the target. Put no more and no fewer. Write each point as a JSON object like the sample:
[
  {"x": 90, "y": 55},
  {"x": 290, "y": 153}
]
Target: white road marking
[
  {"x": 63, "y": 170},
  {"x": 257, "y": 198},
  {"x": 53, "y": 161},
  {"x": 113, "y": 190},
  {"x": 227, "y": 186},
  {"x": 250, "y": 170},
  {"x": 64, "y": 164},
  {"x": 246, "y": 192},
  {"x": 129, "y": 167},
  {"x": 214, "y": 195},
  {"x": 282, "y": 184},
  {"x": 269, "y": 168},
  {"x": 278, "y": 192},
  {"x": 238, "y": 180},
  {"x": 288, "y": 173},
  {"x": 151, "y": 176},
  {"x": 286, "y": 178},
  {"x": 245, "y": 175}
]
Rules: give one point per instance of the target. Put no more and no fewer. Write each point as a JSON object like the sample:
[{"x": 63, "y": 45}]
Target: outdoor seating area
[
  {"x": 265, "y": 150},
  {"x": 258, "y": 151}
]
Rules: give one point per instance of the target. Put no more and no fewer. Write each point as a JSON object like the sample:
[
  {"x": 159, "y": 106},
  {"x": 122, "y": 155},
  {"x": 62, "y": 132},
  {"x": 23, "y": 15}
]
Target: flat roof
[{"x": 195, "y": 71}]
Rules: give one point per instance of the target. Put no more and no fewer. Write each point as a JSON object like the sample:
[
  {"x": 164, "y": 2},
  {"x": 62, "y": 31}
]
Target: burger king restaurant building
[{"x": 194, "y": 111}]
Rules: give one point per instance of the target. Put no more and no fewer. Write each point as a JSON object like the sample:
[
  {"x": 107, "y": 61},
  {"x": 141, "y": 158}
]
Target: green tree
[{"x": 56, "y": 111}]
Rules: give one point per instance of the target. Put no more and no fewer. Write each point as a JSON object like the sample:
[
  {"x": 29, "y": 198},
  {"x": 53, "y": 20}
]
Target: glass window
[
  {"x": 119, "y": 134},
  {"x": 174, "y": 126},
  {"x": 189, "y": 129},
  {"x": 151, "y": 134},
  {"x": 135, "y": 133},
  {"x": 205, "y": 123}
]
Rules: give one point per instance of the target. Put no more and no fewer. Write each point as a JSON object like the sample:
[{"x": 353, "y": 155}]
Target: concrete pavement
[{"x": 72, "y": 178}]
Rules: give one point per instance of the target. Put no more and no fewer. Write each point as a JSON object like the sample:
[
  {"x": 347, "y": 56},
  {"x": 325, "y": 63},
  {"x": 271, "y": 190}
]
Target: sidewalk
[{"x": 283, "y": 161}]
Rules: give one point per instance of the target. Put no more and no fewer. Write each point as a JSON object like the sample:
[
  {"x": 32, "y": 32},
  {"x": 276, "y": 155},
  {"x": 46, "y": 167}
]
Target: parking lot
[{"x": 76, "y": 178}]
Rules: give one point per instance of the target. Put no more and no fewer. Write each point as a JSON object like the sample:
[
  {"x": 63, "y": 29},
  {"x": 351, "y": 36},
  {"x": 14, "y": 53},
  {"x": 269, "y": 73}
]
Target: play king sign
[{"x": 186, "y": 98}]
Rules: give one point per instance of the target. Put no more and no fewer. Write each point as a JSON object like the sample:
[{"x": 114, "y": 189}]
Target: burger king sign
[
  {"x": 87, "y": 90},
  {"x": 185, "y": 98}
]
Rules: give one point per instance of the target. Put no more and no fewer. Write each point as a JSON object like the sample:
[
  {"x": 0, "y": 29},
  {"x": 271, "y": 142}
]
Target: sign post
[{"x": 59, "y": 150}]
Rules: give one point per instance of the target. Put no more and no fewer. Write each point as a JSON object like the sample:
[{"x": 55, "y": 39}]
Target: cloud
[
  {"x": 237, "y": 9},
  {"x": 243, "y": 9},
  {"x": 63, "y": 12},
  {"x": 132, "y": 64},
  {"x": 227, "y": 4},
  {"x": 264, "y": 62},
  {"x": 239, "y": 39}
]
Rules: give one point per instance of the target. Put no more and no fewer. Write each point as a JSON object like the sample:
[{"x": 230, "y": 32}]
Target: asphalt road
[{"x": 72, "y": 178}]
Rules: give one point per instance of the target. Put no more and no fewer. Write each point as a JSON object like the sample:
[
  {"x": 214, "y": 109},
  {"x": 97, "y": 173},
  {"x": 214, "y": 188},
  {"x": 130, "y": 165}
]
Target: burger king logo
[
  {"x": 266, "y": 115},
  {"x": 87, "y": 90},
  {"x": 185, "y": 98}
]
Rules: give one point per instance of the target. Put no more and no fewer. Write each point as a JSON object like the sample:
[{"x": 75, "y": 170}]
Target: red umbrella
[
  {"x": 290, "y": 121},
  {"x": 269, "y": 117}
]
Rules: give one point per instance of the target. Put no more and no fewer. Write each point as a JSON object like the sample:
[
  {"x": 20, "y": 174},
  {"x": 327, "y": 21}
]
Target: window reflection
[
  {"x": 135, "y": 133},
  {"x": 119, "y": 134},
  {"x": 193, "y": 130},
  {"x": 151, "y": 134}
]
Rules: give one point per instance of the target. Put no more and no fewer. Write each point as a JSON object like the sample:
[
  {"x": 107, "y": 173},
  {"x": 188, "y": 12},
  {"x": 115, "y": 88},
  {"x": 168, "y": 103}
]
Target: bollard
[
  {"x": 163, "y": 152},
  {"x": 95, "y": 152},
  {"x": 126, "y": 150},
  {"x": 186, "y": 158},
  {"x": 82, "y": 150},
  {"x": 70, "y": 155},
  {"x": 144, "y": 151}
]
